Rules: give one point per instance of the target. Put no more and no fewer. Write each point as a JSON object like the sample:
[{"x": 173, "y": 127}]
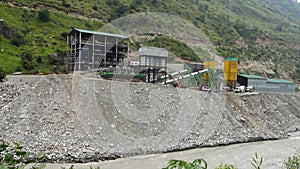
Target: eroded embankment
[{"x": 79, "y": 119}]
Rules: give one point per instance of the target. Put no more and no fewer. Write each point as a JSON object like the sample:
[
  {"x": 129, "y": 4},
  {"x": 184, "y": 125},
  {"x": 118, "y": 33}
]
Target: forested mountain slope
[{"x": 258, "y": 32}]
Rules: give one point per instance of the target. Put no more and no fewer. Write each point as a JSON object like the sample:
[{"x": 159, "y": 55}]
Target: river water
[{"x": 274, "y": 153}]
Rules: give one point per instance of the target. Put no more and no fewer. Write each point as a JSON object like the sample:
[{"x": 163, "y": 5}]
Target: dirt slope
[{"x": 79, "y": 119}]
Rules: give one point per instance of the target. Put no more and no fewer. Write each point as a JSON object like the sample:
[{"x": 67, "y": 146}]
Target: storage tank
[
  {"x": 230, "y": 71},
  {"x": 209, "y": 64}
]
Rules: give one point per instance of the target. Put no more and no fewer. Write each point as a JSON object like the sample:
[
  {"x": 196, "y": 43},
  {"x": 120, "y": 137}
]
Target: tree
[{"x": 44, "y": 15}]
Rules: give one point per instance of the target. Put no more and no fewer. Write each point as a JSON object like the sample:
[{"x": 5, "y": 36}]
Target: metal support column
[
  {"x": 116, "y": 52},
  {"x": 75, "y": 52},
  {"x": 149, "y": 75},
  {"x": 79, "y": 48},
  {"x": 166, "y": 71},
  {"x": 105, "y": 51},
  {"x": 154, "y": 74},
  {"x": 93, "y": 52},
  {"x": 128, "y": 48}
]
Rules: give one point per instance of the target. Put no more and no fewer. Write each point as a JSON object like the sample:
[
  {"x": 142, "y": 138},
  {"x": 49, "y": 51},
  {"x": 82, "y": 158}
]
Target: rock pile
[{"x": 93, "y": 119}]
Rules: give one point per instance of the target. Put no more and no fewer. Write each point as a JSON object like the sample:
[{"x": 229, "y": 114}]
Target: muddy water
[{"x": 274, "y": 153}]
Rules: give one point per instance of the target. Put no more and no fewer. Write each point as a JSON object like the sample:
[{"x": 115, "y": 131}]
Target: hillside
[{"x": 257, "y": 31}]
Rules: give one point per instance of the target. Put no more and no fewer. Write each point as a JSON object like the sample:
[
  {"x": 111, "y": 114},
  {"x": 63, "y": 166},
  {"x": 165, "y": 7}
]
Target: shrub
[
  {"x": 14, "y": 157},
  {"x": 95, "y": 8},
  {"x": 293, "y": 162},
  {"x": 44, "y": 15},
  {"x": 27, "y": 60},
  {"x": 64, "y": 34},
  {"x": 17, "y": 41},
  {"x": 2, "y": 74},
  {"x": 202, "y": 164},
  {"x": 226, "y": 166},
  {"x": 65, "y": 4},
  {"x": 196, "y": 164}
]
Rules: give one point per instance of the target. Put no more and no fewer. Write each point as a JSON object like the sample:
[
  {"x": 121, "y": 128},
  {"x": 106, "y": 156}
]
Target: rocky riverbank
[{"x": 82, "y": 119}]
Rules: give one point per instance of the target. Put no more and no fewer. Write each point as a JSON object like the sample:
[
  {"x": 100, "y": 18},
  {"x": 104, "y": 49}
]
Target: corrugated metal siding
[
  {"x": 261, "y": 85},
  {"x": 281, "y": 87},
  {"x": 153, "y": 51},
  {"x": 251, "y": 76},
  {"x": 101, "y": 33}
]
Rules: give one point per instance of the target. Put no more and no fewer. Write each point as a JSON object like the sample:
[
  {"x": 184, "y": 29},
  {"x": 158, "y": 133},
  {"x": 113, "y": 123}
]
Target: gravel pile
[
  {"x": 80, "y": 119},
  {"x": 39, "y": 113},
  {"x": 8, "y": 92}
]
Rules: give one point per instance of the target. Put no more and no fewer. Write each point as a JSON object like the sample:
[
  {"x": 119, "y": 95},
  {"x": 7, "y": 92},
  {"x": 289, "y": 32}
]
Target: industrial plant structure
[
  {"x": 230, "y": 71},
  {"x": 265, "y": 85},
  {"x": 95, "y": 50},
  {"x": 91, "y": 50},
  {"x": 153, "y": 59}
]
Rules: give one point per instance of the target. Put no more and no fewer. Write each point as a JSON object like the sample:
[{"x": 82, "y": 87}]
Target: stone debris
[{"x": 104, "y": 121}]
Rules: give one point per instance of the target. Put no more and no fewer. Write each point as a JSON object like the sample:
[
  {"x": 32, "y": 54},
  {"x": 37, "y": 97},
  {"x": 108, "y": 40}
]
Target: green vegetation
[
  {"x": 14, "y": 157},
  {"x": 256, "y": 161},
  {"x": 35, "y": 40},
  {"x": 72, "y": 167},
  {"x": 174, "y": 46},
  {"x": 202, "y": 164},
  {"x": 226, "y": 166},
  {"x": 259, "y": 30},
  {"x": 44, "y": 15},
  {"x": 293, "y": 162},
  {"x": 297, "y": 70},
  {"x": 2, "y": 74},
  {"x": 196, "y": 164}
]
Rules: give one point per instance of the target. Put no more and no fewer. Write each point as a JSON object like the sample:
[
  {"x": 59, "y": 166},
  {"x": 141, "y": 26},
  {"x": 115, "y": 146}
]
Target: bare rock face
[{"x": 81, "y": 119}]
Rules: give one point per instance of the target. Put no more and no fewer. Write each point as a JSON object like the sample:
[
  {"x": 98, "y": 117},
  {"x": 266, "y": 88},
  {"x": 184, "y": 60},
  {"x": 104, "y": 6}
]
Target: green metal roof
[
  {"x": 279, "y": 81},
  {"x": 252, "y": 76},
  {"x": 231, "y": 59},
  {"x": 101, "y": 33}
]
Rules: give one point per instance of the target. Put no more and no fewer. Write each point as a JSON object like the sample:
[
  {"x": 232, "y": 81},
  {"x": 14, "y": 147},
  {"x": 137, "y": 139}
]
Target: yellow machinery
[
  {"x": 207, "y": 65},
  {"x": 230, "y": 71}
]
